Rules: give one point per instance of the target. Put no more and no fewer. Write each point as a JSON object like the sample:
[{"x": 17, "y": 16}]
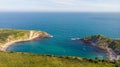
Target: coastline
[
  {"x": 31, "y": 38},
  {"x": 112, "y": 55}
]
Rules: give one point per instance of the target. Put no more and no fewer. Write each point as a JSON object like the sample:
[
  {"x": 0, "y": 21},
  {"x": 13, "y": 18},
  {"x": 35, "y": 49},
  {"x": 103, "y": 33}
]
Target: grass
[
  {"x": 105, "y": 42},
  {"x": 7, "y": 35},
  {"x": 11, "y": 59}
]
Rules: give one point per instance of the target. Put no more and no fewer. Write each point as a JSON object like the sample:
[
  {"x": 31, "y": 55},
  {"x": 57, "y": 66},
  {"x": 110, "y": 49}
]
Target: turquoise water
[{"x": 63, "y": 26}]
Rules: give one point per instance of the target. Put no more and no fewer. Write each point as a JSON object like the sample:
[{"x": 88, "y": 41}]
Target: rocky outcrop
[{"x": 38, "y": 34}]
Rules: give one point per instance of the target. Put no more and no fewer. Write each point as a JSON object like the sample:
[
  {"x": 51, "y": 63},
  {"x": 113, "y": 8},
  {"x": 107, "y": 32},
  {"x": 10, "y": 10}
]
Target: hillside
[
  {"x": 103, "y": 41},
  {"x": 11, "y": 36},
  {"x": 31, "y": 60},
  {"x": 115, "y": 45}
]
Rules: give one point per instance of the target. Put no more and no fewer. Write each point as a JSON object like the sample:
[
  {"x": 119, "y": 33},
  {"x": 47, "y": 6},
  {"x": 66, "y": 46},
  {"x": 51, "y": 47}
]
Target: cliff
[
  {"x": 106, "y": 43},
  {"x": 11, "y": 36}
]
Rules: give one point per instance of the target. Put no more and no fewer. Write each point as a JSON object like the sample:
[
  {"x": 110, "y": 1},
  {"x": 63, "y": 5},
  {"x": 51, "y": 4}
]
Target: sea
[{"x": 62, "y": 26}]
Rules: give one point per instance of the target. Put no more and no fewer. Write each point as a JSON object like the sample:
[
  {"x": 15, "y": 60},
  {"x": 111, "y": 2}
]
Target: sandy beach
[
  {"x": 31, "y": 38},
  {"x": 112, "y": 55}
]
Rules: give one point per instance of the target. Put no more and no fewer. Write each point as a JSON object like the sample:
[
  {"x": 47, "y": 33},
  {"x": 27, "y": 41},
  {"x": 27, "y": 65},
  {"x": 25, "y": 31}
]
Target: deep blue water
[{"x": 63, "y": 26}]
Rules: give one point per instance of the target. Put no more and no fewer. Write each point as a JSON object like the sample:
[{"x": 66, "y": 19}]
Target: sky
[{"x": 61, "y": 5}]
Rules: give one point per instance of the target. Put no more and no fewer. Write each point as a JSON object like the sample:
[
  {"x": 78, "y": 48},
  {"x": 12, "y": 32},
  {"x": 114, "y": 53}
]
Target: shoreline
[
  {"x": 112, "y": 55},
  {"x": 8, "y": 44}
]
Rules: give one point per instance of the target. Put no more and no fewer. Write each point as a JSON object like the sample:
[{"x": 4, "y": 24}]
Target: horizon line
[{"x": 69, "y": 11}]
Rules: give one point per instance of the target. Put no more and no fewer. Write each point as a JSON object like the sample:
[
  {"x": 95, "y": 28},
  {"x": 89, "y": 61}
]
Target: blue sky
[{"x": 61, "y": 5}]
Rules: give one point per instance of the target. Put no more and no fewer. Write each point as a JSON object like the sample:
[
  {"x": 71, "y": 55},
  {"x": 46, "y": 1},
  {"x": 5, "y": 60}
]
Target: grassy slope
[
  {"x": 12, "y": 34},
  {"x": 115, "y": 45},
  {"x": 104, "y": 41},
  {"x": 30, "y": 60}
]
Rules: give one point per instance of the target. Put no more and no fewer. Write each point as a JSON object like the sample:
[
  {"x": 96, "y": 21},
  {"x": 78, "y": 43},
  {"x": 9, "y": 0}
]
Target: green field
[{"x": 11, "y": 59}]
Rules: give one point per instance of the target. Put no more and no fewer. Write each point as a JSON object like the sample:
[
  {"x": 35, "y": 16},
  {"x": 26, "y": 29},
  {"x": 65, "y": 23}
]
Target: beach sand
[{"x": 31, "y": 38}]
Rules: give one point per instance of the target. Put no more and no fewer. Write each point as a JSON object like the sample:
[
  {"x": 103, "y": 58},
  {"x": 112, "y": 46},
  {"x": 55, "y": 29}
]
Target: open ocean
[{"x": 63, "y": 26}]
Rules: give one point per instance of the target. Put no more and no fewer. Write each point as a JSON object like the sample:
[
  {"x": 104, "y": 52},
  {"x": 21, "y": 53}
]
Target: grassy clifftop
[
  {"x": 7, "y": 35},
  {"x": 103, "y": 41},
  {"x": 30, "y": 60}
]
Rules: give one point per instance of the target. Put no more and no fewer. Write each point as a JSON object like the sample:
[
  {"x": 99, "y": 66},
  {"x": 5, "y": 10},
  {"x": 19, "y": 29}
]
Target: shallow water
[{"x": 63, "y": 26}]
